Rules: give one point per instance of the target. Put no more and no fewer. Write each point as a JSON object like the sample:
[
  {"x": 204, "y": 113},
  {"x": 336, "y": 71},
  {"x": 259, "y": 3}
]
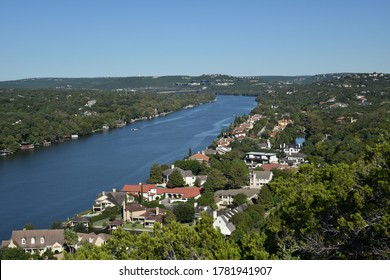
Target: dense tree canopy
[{"x": 337, "y": 211}]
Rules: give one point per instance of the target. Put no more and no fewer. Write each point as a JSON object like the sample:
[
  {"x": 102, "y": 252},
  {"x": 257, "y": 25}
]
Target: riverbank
[{"x": 29, "y": 117}]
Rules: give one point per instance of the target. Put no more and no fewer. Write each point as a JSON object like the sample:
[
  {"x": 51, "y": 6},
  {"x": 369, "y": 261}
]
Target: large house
[
  {"x": 136, "y": 212},
  {"x": 201, "y": 157},
  {"x": 254, "y": 159},
  {"x": 151, "y": 192},
  {"x": 260, "y": 178},
  {"x": 224, "y": 198},
  {"x": 37, "y": 241},
  {"x": 108, "y": 199}
]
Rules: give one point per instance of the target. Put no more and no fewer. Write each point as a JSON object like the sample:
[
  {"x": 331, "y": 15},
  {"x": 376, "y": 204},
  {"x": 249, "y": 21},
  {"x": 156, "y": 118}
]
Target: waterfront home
[
  {"x": 151, "y": 192},
  {"x": 37, "y": 241},
  {"x": 108, "y": 199},
  {"x": 138, "y": 190}
]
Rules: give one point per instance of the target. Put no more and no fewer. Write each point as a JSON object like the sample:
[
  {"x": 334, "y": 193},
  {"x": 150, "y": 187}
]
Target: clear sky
[{"x": 93, "y": 38}]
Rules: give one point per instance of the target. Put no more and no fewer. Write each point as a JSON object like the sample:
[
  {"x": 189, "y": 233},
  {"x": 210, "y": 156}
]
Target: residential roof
[
  {"x": 92, "y": 237},
  {"x": 210, "y": 152},
  {"x": 80, "y": 220},
  {"x": 116, "y": 198},
  {"x": 184, "y": 173},
  {"x": 264, "y": 175},
  {"x": 116, "y": 222},
  {"x": 249, "y": 192},
  {"x": 297, "y": 155},
  {"x": 137, "y": 188},
  {"x": 188, "y": 192},
  {"x": 200, "y": 156},
  {"x": 270, "y": 166},
  {"x": 37, "y": 238},
  {"x": 135, "y": 207}
]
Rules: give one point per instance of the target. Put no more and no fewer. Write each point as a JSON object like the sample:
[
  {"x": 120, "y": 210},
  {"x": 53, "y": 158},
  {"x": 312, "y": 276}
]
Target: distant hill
[{"x": 161, "y": 83}]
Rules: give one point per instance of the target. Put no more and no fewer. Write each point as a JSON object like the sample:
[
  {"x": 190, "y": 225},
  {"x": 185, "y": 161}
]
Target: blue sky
[{"x": 129, "y": 38}]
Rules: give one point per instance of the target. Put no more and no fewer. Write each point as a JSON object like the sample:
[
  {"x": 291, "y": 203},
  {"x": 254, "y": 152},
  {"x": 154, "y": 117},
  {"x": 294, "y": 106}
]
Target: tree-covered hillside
[{"x": 34, "y": 115}]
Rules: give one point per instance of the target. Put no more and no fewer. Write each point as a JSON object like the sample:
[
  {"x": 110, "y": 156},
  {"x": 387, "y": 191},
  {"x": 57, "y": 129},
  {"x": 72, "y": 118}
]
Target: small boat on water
[{"x": 134, "y": 129}]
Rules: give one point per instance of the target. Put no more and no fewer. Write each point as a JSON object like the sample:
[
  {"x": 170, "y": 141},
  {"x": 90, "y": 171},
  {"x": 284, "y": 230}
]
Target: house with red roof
[
  {"x": 200, "y": 157},
  {"x": 152, "y": 192},
  {"x": 136, "y": 190}
]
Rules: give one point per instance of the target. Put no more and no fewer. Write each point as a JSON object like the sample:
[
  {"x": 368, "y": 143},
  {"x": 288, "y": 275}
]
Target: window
[
  {"x": 23, "y": 241},
  {"x": 42, "y": 240},
  {"x": 32, "y": 240}
]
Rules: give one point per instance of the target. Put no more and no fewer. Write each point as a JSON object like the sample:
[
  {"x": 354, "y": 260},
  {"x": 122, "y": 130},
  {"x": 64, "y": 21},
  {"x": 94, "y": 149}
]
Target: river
[{"x": 54, "y": 183}]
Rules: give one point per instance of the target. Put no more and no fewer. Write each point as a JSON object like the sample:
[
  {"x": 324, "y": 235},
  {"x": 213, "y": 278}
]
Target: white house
[
  {"x": 108, "y": 199},
  {"x": 260, "y": 178},
  {"x": 222, "y": 223},
  {"x": 258, "y": 158}
]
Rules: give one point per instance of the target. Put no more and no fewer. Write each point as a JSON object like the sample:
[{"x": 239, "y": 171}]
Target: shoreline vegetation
[{"x": 33, "y": 118}]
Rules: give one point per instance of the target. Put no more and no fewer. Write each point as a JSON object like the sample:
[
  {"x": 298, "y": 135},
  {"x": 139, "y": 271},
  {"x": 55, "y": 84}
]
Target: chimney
[
  {"x": 172, "y": 166},
  {"x": 103, "y": 193},
  {"x": 214, "y": 215},
  {"x": 113, "y": 190},
  {"x": 157, "y": 210}
]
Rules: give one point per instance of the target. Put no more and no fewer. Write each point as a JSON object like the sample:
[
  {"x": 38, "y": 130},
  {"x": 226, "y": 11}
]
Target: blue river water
[{"x": 54, "y": 183}]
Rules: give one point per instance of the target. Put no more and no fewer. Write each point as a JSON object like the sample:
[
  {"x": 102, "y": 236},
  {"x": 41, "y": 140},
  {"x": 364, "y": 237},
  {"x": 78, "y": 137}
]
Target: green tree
[
  {"x": 155, "y": 174},
  {"x": 337, "y": 211},
  {"x": 215, "y": 180},
  {"x": 239, "y": 199},
  {"x": 169, "y": 217},
  {"x": 13, "y": 254},
  {"x": 175, "y": 179},
  {"x": 184, "y": 212},
  {"x": 70, "y": 238},
  {"x": 207, "y": 199}
]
